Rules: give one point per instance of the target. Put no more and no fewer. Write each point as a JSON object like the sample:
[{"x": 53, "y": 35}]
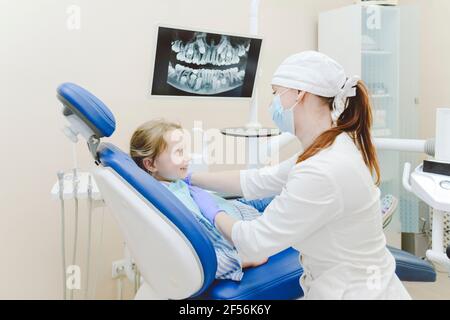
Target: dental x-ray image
[{"x": 196, "y": 63}]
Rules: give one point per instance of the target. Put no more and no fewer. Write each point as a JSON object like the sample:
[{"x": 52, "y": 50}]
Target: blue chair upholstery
[
  {"x": 277, "y": 279},
  {"x": 411, "y": 268},
  {"x": 88, "y": 107}
]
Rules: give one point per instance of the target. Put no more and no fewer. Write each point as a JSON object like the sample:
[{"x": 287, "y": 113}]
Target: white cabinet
[{"x": 380, "y": 44}]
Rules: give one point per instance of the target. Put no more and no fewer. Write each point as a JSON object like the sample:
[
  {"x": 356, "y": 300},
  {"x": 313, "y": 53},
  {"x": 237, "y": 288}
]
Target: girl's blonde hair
[{"x": 148, "y": 140}]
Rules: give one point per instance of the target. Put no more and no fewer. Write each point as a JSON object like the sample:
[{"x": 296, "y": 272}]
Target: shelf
[
  {"x": 376, "y": 52},
  {"x": 380, "y": 96},
  {"x": 381, "y": 133},
  {"x": 387, "y": 180}
]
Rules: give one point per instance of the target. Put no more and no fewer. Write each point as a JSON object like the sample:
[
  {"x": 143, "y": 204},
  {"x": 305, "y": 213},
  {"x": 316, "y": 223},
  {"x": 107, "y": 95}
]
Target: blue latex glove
[{"x": 205, "y": 203}]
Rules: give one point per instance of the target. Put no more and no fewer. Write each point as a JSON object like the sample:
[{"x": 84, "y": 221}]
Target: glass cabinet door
[{"x": 390, "y": 71}]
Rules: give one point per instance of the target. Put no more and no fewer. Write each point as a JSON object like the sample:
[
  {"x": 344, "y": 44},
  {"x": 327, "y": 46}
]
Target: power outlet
[{"x": 119, "y": 268}]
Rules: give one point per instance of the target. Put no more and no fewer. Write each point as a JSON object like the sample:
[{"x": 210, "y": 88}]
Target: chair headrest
[
  {"x": 167, "y": 203},
  {"x": 93, "y": 112}
]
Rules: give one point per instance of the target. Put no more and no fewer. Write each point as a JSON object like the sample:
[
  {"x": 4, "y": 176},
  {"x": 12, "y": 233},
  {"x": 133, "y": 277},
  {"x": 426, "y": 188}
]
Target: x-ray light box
[{"x": 204, "y": 64}]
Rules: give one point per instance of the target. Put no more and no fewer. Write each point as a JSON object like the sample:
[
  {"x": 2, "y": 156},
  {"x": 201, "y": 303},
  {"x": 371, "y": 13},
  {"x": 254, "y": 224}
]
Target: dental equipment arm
[
  {"x": 406, "y": 145},
  {"x": 223, "y": 181},
  {"x": 75, "y": 234},
  {"x": 60, "y": 175},
  {"x": 254, "y": 10},
  {"x": 88, "y": 253}
]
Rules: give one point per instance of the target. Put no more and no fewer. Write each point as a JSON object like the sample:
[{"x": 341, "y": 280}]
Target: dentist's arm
[
  {"x": 224, "y": 181},
  {"x": 224, "y": 223},
  {"x": 256, "y": 183}
]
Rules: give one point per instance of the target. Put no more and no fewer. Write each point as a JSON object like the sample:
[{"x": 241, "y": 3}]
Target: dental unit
[{"x": 163, "y": 238}]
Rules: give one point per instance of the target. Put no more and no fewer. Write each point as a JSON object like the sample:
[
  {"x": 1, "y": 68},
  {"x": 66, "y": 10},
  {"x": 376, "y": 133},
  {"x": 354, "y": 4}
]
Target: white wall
[
  {"x": 435, "y": 63},
  {"x": 111, "y": 56}
]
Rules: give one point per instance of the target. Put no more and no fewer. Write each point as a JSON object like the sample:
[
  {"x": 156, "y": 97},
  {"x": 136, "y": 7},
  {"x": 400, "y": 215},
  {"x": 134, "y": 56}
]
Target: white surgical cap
[{"x": 316, "y": 73}]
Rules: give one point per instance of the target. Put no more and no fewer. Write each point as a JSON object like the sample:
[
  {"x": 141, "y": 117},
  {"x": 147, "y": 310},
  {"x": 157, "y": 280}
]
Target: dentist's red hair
[{"x": 356, "y": 120}]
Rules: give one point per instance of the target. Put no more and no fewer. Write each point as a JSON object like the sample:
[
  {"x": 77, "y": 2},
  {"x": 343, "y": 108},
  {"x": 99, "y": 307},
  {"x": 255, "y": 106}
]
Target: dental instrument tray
[{"x": 82, "y": 179}]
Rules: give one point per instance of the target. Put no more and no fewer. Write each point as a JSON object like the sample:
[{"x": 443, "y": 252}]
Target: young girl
[{"x": 157, "y": 148}]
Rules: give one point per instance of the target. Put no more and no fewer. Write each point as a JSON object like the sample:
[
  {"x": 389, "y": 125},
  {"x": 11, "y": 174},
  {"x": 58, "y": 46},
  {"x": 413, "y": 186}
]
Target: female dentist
[{"x": 327, "y": 204}]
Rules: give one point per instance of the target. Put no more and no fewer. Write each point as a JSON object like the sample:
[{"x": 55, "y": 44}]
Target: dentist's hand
[{"x": 205, "y": 202}]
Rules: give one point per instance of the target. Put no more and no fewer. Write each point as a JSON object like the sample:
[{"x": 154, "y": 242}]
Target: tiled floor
[{"x": 439, "y": 290}]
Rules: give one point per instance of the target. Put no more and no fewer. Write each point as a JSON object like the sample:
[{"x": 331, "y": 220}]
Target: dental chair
[{"x": 174, "y": 255}]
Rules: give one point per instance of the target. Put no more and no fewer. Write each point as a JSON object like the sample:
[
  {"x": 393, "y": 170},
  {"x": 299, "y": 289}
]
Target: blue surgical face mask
[{"x": 283, "y": 118}]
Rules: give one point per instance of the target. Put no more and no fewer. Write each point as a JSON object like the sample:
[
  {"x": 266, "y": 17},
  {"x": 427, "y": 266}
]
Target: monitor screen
[{"x": 204, "y": 64}]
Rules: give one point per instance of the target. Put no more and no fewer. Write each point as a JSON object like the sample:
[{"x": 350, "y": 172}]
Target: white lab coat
[{"x": 328, "y": 208}]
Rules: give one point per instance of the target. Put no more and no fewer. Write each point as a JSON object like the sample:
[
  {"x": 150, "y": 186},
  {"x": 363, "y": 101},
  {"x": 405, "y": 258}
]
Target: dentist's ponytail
[{"x": 356, "y": 120}]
